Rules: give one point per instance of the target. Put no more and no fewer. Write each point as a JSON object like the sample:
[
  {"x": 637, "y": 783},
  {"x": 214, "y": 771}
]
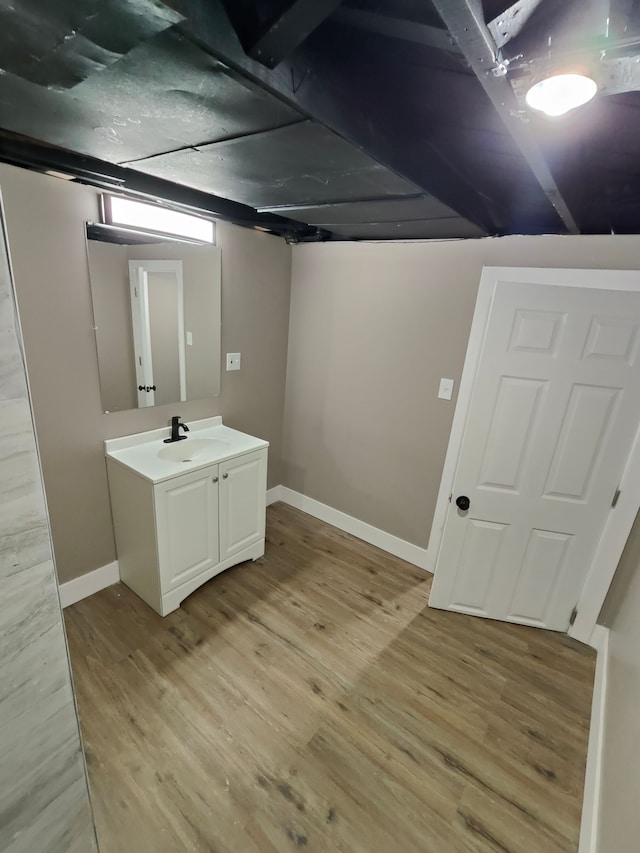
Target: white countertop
[{"x": 208, "y": 442}]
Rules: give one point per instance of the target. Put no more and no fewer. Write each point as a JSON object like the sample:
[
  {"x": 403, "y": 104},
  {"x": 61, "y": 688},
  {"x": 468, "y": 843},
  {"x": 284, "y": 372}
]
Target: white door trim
[
  {"x": 142, "y": 342},
  {"x": 589, "y": 823},
  {"x": 618, "y": 524},
  {"x": 141, "y": 339}
]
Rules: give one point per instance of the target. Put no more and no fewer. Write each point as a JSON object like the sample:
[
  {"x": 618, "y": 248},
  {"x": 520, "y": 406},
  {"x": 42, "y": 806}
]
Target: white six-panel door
[{"x": 552, "y": 415}]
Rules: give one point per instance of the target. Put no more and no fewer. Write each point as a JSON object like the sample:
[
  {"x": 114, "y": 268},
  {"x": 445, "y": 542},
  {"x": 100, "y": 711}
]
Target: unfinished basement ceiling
[{"x": 320, "y": 119}]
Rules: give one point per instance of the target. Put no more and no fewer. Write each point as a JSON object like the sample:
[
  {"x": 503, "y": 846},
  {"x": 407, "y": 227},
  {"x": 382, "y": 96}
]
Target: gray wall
[
  {"x": 621, "y": 582},
  {"x": 44, "y": 802},
  {"x": 373, "y": 328},
  {"x": 619, "y": 814},
  {"x": 45, "y": 219}
]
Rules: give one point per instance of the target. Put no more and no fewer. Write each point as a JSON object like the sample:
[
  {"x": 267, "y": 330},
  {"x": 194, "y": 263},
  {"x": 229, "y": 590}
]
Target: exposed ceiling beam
[
  {"x": 614, "y": 76},
  {"x": 614, "y": 65},
  {"x": 281, "y": 36},
  {"x": 87, "y": 170},
  {"x": 316, "y": 88},
  {"x": 244, "y": 19},
  {"x": 619, "y": 14},
  {"x": 598, "y": 53},
  {"x": 574, "y": 31},
  {"x": 509, "y": 24},
  {"x": 554, "y": 29},
  {"x": 464, "y": 20},
  {"x": 413, "y": 31},
  {"x": 331, "y": 205},
  {"x": 619, "y": 75}
]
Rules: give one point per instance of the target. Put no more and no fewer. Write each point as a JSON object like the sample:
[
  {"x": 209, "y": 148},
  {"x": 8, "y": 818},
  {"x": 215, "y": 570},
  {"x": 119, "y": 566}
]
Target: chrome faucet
[{"x": 175, "y": 430}]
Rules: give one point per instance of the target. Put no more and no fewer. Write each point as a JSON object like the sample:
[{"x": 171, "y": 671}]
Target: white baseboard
[
  {"x": 274, "y": 494},
  {"x": 86, "y": 585},
  {"x": 373, "y": 535},
  {"x": 591, "y": 799},
  {"x": 599, "y": 637}
]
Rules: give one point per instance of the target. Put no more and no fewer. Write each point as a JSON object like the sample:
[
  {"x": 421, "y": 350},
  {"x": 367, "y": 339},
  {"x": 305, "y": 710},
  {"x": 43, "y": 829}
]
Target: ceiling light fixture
[{"x": 558, "y": 94}]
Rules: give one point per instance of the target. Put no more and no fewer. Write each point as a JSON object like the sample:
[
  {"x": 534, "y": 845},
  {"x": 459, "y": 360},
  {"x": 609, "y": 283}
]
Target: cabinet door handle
[
  {"x": 224, "y": 476},
  {"x": 215, "y": 479}
]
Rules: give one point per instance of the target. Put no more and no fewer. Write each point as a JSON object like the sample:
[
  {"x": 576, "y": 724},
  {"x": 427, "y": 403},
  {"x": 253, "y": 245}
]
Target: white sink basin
[
  {"x": 209, "y": 442},
  {"x": 193, "y": 449}
]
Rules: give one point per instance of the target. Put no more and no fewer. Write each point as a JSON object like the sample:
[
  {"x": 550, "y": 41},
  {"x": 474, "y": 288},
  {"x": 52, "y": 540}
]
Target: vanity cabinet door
[
  {"x": 243, "y": 483},
  {"x": 186, "y": 510}
]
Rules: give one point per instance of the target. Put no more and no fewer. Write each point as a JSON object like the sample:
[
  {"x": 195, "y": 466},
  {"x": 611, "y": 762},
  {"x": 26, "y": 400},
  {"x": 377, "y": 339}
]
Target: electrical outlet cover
[
  {"x": 445, "y": 391},
  {"x": 233, "y": 361}
]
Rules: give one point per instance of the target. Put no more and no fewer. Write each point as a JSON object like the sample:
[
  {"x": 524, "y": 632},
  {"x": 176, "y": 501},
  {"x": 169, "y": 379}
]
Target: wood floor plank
[{"x": 312, "y": 700}]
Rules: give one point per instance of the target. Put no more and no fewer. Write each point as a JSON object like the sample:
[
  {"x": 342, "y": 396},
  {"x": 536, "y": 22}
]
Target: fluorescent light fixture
[
  {"x": 558, "y": 94},
  {"x": 151, "y": 217}
]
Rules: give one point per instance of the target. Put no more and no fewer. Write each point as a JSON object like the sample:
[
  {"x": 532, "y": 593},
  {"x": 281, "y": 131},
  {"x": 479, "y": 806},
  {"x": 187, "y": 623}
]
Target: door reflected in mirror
[{"x": 156, "y": 312}]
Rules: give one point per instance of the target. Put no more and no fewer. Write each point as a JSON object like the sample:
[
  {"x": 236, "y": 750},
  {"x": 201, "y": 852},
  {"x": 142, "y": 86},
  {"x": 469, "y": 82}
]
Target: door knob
[
  {"x": 463, "y": 503},
  {"x": 224, "y": 476},
  {"x": 215, "y": 479}
]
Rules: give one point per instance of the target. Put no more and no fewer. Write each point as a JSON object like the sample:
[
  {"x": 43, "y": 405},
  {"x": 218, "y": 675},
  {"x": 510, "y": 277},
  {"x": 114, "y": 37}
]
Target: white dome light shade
[{"x": 560, "y": 93}]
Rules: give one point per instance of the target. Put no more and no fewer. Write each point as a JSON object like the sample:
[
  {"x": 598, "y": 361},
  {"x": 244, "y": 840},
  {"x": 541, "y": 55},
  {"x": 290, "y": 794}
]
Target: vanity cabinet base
[
  {"x": 173, "y": 536},
  {"x": 172, "y": 600}
]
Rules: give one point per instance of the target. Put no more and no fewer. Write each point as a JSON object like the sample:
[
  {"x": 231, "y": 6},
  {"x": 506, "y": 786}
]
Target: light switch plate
[
  {"x": 445, "y": 391},
  {"x": 233, "y": 361},
  {"x": 189, "y": 339}
]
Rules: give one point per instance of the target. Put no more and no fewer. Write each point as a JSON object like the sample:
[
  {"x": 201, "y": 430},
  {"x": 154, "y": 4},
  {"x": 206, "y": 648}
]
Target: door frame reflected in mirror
[
  {"x": 146, "y": 331},
  {"x": 198, "y": 317}
]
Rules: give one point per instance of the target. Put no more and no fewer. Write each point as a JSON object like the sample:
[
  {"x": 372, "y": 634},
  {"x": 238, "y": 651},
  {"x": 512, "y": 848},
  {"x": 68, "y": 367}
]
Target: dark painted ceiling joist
[
  {"x": 385, "y": 25},
  {"x": 332, "y": 205},
  {"x": 244, "y": 19},
  {"x": 511, "y": 22},
  {"x": 280, "y": 37},
  {"x": 555, "y": 29},
  {"x": 619, "y": 14},
  {"x": 317, "y": 91},
  {"x": 464, "y": 20},
  {"x": 620, "y": 75},
  {"x": 97, "y": 173},
  {"x": 596, "y": 55}
]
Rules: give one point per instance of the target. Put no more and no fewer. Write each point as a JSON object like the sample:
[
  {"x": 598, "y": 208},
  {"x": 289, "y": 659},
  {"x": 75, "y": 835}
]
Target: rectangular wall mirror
[{"x": 156, "y": 307}]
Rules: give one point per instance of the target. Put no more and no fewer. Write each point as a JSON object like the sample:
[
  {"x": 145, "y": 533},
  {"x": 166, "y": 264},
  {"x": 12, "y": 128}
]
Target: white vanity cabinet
[
  {"x": 186, "y": 520},
  {"x": 177, "y": 531},
  {"x": 242, "y": 505}
]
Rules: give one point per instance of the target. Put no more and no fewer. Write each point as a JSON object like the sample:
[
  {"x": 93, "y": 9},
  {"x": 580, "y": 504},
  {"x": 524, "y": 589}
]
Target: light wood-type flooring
[{"x": 312, "y": 701}]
